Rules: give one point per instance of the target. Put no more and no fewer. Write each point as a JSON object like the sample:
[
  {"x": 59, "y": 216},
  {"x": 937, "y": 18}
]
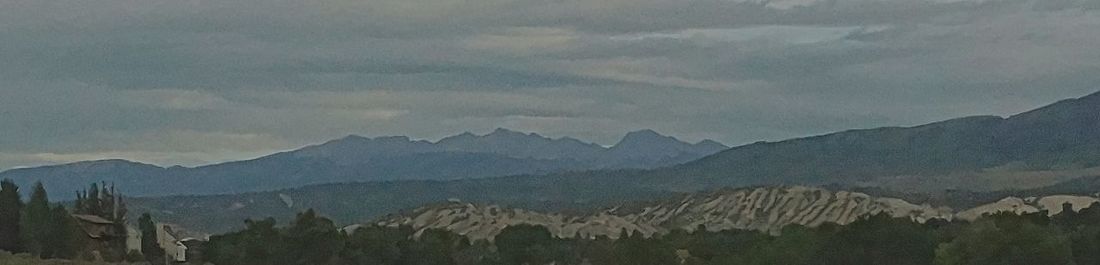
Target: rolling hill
[{"x": 1061, "y": 136}]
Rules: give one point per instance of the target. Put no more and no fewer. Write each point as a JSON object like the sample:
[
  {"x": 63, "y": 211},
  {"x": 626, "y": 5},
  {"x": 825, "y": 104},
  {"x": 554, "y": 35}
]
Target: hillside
[
  {"x": 361, "y": 202},
  {"x": 361, "y": 159},
  {"x": 1060, "y": 136},
  {"x": 766, "y": 209}
]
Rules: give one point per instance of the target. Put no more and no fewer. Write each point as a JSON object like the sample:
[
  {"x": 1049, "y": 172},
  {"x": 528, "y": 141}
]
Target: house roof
[{"x": 92, "y": 219}]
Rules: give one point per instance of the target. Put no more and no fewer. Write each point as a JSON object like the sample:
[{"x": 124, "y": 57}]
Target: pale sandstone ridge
[
  {"x": 1051, "y": 204},
  {"x": 765, "y": 209}
]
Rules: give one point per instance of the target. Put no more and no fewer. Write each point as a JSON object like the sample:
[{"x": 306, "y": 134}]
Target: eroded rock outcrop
[
  {"x": 767, "y": 209},
  {"x": 764, "y": 209}
]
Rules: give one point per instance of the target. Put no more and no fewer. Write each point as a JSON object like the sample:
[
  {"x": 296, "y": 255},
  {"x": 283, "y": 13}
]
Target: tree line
[
  {"x": 1006, "y": 238},
  {"x": 47, "y": 230},
  {"x": 50, "y": 230}
]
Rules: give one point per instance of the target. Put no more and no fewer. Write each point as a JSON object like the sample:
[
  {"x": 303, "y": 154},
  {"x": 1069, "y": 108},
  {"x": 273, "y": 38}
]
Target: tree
[
  {"x": 11, "y": 208},
  {"x": 36, "y": 222},
  {"x": 1007, "y": 239},
  {"x": 313, "y": 239},
  {"x": 795, "y": 245},
  {"x": 149, "y": 247},
  {"x": 61, "y": 239},
  {"x": 377, "y": 245},
  {"x": 881, "y": 239},
  {"x": 260, "y": 243},
  {"x": 527, "y": 244},
  {"x": 638, "y": 250}
]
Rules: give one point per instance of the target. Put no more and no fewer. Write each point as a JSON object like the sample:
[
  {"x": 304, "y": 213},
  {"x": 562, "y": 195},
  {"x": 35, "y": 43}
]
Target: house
[
  {"x": 179, "y": 245},
  {"x": 100, "y": 232},
  {"x": 97, "y": 228}
]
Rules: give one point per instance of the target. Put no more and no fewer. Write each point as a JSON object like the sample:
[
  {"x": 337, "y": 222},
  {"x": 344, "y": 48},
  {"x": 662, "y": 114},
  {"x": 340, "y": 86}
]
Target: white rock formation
[
  {"x": 767, "y": 209},
  {"x": 764, "y": 209}
]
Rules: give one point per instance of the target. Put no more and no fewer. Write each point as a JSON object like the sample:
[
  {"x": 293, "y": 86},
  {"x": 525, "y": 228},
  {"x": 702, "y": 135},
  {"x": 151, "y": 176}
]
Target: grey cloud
[{"x": 231, "y": 79}]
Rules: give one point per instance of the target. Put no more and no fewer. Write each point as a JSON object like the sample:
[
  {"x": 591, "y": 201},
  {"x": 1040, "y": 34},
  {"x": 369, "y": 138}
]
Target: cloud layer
[{"x": 197, "y": 81}]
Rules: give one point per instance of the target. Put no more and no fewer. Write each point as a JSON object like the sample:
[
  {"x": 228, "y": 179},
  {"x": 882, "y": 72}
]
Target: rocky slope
[
  {"x": 766, "y": 209},
  {"x": 1052, "y": 204}
]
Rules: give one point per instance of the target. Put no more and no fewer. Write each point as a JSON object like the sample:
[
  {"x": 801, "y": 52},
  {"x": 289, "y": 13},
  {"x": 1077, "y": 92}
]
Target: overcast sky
[{"x": 199, "y": 81}]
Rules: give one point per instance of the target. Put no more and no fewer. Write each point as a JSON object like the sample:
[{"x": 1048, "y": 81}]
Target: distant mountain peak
[
  {"x": 645, "y": 133},
  {"x": 708, "y": 143},
  {"x": 502, "y": 132},
  {"x": 353, "y": 137},
  {"x": 644, "y": 136},
  {"x": 108, "y": 162},
  {"x": 653, "y": 147}
]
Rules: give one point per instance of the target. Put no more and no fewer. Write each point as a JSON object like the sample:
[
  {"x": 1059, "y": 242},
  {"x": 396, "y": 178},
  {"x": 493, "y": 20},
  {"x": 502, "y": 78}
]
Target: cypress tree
[
  {"x": 60, "y": 240},
  {"x": 149, "y": 247},
  {"x": 35, "y": 220},
  {"x": 92, "y": 204},
  {"x": 11, "y": 207}
]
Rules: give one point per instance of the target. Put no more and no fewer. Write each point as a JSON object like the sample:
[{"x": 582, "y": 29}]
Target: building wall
[
  {"x": 133, "y": 239},
  {"x": 167, "y": 241}
]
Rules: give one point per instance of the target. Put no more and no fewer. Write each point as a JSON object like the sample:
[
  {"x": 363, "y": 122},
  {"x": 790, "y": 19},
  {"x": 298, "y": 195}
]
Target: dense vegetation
[
  {"x": 1067, "y": 238},
  {"x": 49, "y": 231},
  {"x": 7, "y": 258},
  {"x": 348, "y": 203}
]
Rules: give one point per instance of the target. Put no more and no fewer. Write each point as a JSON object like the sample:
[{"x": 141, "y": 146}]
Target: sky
[{"x": 192, "y": 82}]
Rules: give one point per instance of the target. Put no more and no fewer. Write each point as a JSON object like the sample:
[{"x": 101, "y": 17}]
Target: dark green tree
[
  {"x": 434, "y": 247},
  {"x": 260, "y": 243},
  {"x": 149, "y": 247},
  {"x": 1007, "y": 239},
  {"x": 61, "y": 238},
  {"x": 635, "y": 249},
  {"x": 313, "y": 239},
  {"x": 881, "y": 239},
  {"x": 377, "y": 245},
  {"x": 795, "y": 245},
  {"x": 11, "y": 208},
  {"x": 36, "y": 222},
  {"x": 531, "y": 244},
  {"x": 1083, "y": 228}
]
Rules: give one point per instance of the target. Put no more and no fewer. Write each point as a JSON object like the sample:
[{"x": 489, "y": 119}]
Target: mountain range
[
  {"x": 1064, "y": 136},
  {"x": 1024, "y": 154},
  {"x": 357, "y": 159}
]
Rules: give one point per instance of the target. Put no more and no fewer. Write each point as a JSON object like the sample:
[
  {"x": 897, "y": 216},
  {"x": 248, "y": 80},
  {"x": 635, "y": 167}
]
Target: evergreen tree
[
  {"x": 149, "y": 247},
  {"x": 1006, "y": 239},
  {"x": 312, "y": 239},
  {"x": 92, "y": 205},
  {"x": 61, "y": 235},
  {"x": 11, "y": 207},
  {"x": 35, "y": 221}
]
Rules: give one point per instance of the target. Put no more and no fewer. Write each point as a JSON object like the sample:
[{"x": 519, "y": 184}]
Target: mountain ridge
[
  {"x": 1063, "y": 135},
  {"x": 356, "y": 158}
]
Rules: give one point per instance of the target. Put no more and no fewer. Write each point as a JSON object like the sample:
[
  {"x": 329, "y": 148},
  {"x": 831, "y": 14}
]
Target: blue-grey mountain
[
  {"x": 358, "y": 159},
  {"x": 1059, "y": 137}
]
